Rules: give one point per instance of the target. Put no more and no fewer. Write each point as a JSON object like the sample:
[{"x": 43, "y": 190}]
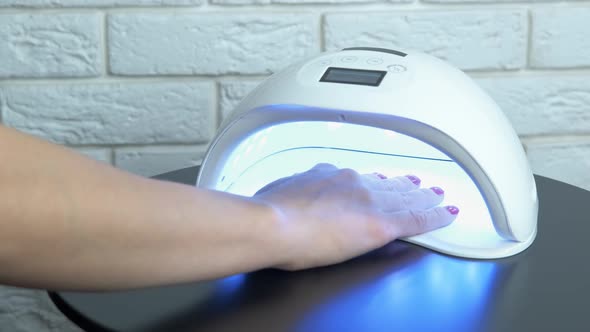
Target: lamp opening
[{"x": 287, "y": 148}]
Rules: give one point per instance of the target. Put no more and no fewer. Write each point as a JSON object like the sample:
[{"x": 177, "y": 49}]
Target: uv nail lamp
[{"x": 392, "y": 112}]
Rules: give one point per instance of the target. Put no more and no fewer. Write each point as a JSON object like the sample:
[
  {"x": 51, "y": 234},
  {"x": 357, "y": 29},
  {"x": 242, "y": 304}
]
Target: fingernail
[
  {"x": 437, "y": 190},
  {"x": 415, "y": 180},
  {"x": 381, "y": 176},
  {"x": 453, "y": 209}
]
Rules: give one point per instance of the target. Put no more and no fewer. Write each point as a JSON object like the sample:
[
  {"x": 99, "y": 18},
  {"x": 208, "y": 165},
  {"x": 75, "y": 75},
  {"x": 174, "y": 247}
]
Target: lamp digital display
[{"x": 353, "y": 76}]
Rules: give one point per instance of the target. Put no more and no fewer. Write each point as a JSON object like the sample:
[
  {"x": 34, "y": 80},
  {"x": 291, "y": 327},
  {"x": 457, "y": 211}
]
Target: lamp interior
[{"x": 288, "y": 148}]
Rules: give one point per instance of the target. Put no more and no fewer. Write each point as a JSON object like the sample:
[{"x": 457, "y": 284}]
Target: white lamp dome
[{"x": 392, "y": 112}]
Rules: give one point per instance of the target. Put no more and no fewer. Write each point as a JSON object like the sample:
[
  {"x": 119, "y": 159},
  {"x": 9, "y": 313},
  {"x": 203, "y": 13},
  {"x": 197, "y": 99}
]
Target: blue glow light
[
  {"x": 436, "y": 293},
  {"x": 229, "y": 285},
  {"x": 285, "y": 149}
]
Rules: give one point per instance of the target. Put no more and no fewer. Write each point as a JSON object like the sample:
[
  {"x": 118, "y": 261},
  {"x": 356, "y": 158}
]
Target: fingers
[
  {"x": 324, "y": 167},
  {"x": 412, "y": 200},
  {"x": 377, "y": 181},
  {"x": 414, "y": 222}
]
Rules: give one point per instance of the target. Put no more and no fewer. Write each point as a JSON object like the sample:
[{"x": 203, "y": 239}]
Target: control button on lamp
[
  {"x": 396, "y": 68},
  {"x": 348, "y": 59},
  {"x": 374, "y": 61}
]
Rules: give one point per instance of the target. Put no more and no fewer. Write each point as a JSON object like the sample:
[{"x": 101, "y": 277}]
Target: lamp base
[{"x": 480, "y": 250}]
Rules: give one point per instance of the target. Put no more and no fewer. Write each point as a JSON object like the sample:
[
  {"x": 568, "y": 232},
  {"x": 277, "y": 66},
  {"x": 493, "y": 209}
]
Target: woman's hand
[
  {"x": 70, "y": 223},
  {"x": 328, "y": 215}
]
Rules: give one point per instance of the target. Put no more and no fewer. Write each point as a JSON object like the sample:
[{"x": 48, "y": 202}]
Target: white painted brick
[
  {"x": 334, "y": 1},
  {"x": 240, "y": 2},
  {"x": 482, "y": 1},
  {"x": 560, "y": 37},
  {"x": 253, "y": 2},
  {"x": 566, "y": 161},
  {"x": 100, "y": 154},
  {"x": 475, "y": 39},
  {"x": 112, "y": 113},
  {"x": 95, "y": 3},
  {"x": 541, "y": 105},
  {"x": 232, "y": 92},
  {"x": 150, "y": 161},
  {"x": 155, "y": 44},
  {"x": 53, "y": 45}
]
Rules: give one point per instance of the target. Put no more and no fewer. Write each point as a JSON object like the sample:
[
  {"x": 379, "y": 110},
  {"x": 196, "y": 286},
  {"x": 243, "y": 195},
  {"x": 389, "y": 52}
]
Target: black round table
[{"x": 401, "y": 287}]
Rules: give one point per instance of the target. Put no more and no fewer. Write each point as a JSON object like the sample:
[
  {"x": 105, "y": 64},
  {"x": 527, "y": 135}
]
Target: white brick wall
[
  {"x": 142, "y": 84},
  {"x": 566, "y": 160},
  {"x": 469, "y": 39},
  {"x": 208, "y": 44},
  {"x": 544, "y": 104},
  {"x": 171, "y": 112},
  {"x": 100, "y": 154},
  {"x": 95, "y": 3},
  {"x": 560, "y": 38},
  {"x": 231, "y": 92},
  {"x": 54, "y": 45},
  {"x": 149, "y": 161}
]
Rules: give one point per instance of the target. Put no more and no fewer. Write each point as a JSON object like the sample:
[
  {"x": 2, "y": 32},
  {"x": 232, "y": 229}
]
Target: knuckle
[
  {"x": 378, "y": 230},
  {"x": 380, "y": 234},
  {"x": 439, "y": 213},
  {"x": 387, "y": 185},
  {"x": 324, "y": 166},
  {"x": 363, "y": 194},
  {"x": 326, "y": 182},
  {"x": 440, "y": 218},
  {"x": 395, "y": 185},
  {"x": 405, "y": 201},
  {"x": 348, "y": 174}
]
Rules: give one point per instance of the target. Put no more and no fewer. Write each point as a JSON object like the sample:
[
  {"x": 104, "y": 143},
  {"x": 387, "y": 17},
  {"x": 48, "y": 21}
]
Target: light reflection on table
[
  {"x": 436, "y": 293},
  {"x": 394, "y": 288}
]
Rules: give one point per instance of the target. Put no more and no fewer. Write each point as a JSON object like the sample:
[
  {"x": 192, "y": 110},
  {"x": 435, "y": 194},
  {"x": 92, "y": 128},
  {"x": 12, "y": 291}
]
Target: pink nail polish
[
  {"x": 415, "y": 180},
  {"x": 453, "y": 209},
  {"x": 437, "y": 190},
  {"x": 381, "y": 176}
]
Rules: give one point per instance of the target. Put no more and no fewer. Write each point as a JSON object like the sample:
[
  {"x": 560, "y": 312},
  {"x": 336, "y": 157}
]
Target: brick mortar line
[
  {"x": 85, "y": 146},
  {"x": 217, "y": 116},
  {"x": 319, "y": 29},
  {"x": 111, "y": 156},
  {"x": 322, "y": 38},
  {"x": 553, "y": 139},
  {"x": 528, "y": 72},
  {"x": 529, "y": 33},
  {"x": 116, "y": 79},
  {"x": 114, "y": 157},
  {"x": 303, "y": 8},
  {"x": 105, "y": 44},
  {"x": 2, "y": 106}
]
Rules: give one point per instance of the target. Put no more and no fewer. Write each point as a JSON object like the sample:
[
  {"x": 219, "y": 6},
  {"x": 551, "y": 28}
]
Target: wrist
[{"x": 273, "y": 237}]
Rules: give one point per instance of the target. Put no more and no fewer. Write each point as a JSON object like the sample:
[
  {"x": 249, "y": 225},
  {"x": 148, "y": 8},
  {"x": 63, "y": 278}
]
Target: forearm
[{"x": 67, "y": 222}]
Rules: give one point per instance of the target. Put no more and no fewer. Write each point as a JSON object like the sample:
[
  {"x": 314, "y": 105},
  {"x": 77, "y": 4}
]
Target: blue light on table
[
  {"x": 229, "y": 285},
  {"x": 436, "y": 293}
]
